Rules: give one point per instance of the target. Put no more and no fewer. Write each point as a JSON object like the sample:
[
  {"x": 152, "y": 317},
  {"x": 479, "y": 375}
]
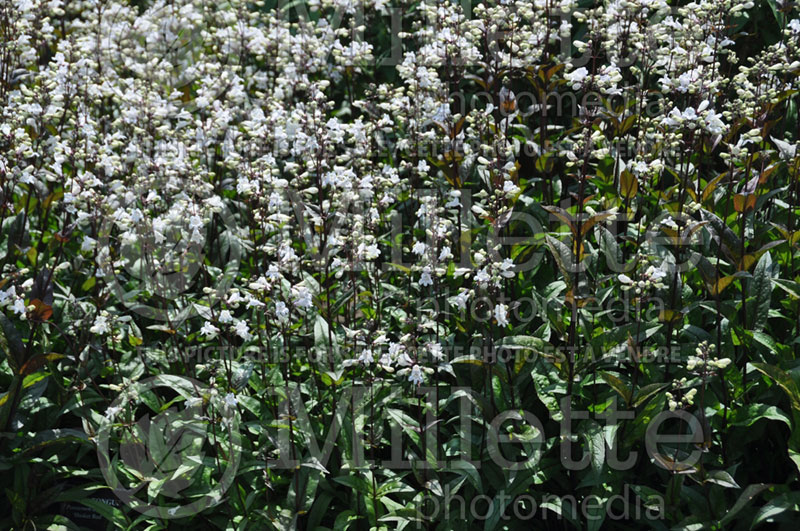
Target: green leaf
[
  {"x": 790, "y": 287},
  {"x": 595, "y": 436},
  {"x": 17, "y": 235},
  {"x": 11, "y": 342},
  {"x": 597, "y": 511},
  {"x": 319, "y": 508},
  {"x": 549, "y": 387},
  {"x": 562, "y": 507},
  {"x": 618, "y": 386},
  {"x": 356, "y": 483},
  {"x": 88, "y": 283},
  {"x": 469, "y": 471},
  {"x": 498, "y": 508},
  {"x": 611, "y": 250},
  {"x": 563, "y": 256},
  {"x": 320, "y": 332},
  {"x": 766, "y": 340},
  {"x": 749, "y": 414},
  {"x": 523, "y": 343},
  {"x": 648, "y": 391},
  {"x": 761, "y": 290},
  {"x": 744, "y": 500},
  {"x": 789, "y": 501},
  {"x": 722, "y": 233},
  {"x": 722, "y": 478},
  {"x": 783, "y": 380},
  {"x": 112, "y": 514}
]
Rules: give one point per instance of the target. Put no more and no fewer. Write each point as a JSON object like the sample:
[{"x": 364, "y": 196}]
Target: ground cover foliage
[{"x": 383, "y": 264}]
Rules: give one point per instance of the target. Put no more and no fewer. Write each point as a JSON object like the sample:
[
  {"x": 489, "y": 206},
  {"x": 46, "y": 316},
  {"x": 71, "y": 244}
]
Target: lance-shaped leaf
[
  {"x": 783, "y": 380},
  {"x": 761, "y": 290}
]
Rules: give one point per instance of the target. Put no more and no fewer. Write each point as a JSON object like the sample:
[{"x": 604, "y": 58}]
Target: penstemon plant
[{"x": 383, "y": 264}]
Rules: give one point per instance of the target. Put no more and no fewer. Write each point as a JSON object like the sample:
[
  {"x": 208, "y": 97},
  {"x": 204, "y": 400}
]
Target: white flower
[
  {"x": 655, "y": 273},
  {"x": 506, "y": 267},
  {"x": 281, "y": 310},
  {"x": 639, "y": 167},
  {"x": 510, "y": 188},
  {"x": 714, "y": 124},
  {"x": 455, "y": 201},
  {"x": 366, "y": 356},
  {"x": 302, "y": 297},
  {"x": 254, "y": 303},
  {"x": 404, "y": 360},
  {"x": 112, "y": 411},
  {"x": 419, "y": 248},
  {"x": 242, "y": 330},
  {"x": 195, "y": 222},
  {"x": 209, "y": 331},
  {"x": 460, "y": 300},
  {"x": 673, "y": 118},
  {"x": 720, "y": 363},
  {"x": 436, "y": 351},
  {"x": 286, "y": 253},
  {"x": 501, "y": 314},
  {"x": 259, "y": 285},
  {"x": 441, "y": 114},
  {"x": 689, "y": 396},
  {"x": 100, "y": 325},
  {"x": 10, "y": 292},
  {"x": 273, "y": 273},
  {"x": 395, "y": 349},
  {"x": 230, "y": 400},
  {"x": 693, "y": 362},
  {"x": 669, "y": 223},
  {"x": 577, "y": 76},
  {"x": 416, "y": 375},
  {"x": 88, "y": 243},
  {"x": 193, "y": 401},
  {"x": 369, "y": 252},
  {"x": 425, "y": 279},
  {"x": 275, "y": 201},
  {"x": 19, "y": 307}
]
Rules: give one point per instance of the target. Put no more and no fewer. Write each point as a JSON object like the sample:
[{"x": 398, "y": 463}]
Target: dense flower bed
[{"x": 378, "y": 264}]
